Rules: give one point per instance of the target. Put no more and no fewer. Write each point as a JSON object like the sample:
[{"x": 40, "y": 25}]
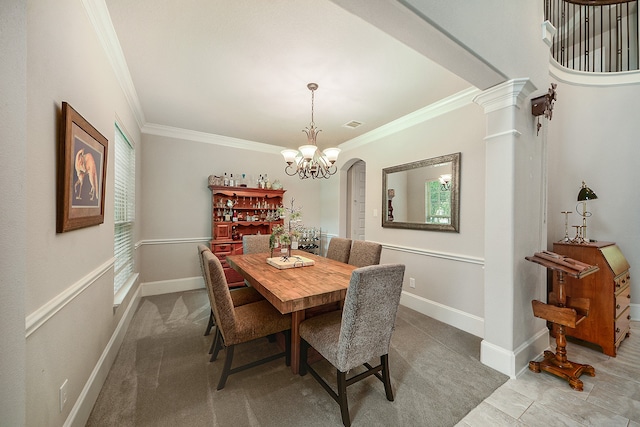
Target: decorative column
[{"x": 514, "y": 212}]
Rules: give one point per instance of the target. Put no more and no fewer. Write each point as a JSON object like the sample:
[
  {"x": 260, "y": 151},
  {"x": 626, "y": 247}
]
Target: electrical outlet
[
  {"x": 412, "y": 282},
  {"x": 63, "y": 394}
]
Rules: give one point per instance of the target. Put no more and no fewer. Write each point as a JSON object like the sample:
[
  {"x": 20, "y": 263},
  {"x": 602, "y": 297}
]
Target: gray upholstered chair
[
  {"x": 339, "y": 249},
  {"x": 357, "y": 334},
  {"x": 255, "y": 243},
  {"x": 241, "y": 324},
  {"x": 239, "y": 296},
  {"x": 364, "y": 253}
]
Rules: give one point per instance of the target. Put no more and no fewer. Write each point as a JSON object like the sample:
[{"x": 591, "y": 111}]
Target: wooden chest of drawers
[{"x": 608, "y": 290}]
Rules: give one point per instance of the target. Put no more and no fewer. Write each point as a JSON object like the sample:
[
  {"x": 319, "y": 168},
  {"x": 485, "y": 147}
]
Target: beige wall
[
  {"x": 593, "y": 137},
  {"x": 13, "y": 176},
  {"x": 69, "y": 290},
  {"x": 447, "y": 266},
  {"x": 176, "y": 200}
]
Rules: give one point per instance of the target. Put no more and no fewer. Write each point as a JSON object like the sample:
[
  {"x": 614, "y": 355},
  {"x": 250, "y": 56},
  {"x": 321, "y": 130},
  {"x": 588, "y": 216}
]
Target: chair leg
[
  {"x": 386, "y": 378},
  {"x": 342, "y": 398},
  {"x": 217, "y": 345},
  {"x": 210, "y": 325},
  {"x": 227, "y": 367},
  {"x": 287, "y": 347},
  {"x": 214, "y": 342},
  {"x": 304, "y": 348}
]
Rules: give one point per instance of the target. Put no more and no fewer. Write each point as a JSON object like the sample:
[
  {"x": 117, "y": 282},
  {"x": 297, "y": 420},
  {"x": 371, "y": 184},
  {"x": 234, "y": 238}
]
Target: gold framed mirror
[{"x": 423, "y": 195}]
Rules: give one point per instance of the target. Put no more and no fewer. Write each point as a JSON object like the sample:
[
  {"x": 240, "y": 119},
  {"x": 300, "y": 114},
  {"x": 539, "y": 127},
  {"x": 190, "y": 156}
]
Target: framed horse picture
[{"x": 82, "y": 172}]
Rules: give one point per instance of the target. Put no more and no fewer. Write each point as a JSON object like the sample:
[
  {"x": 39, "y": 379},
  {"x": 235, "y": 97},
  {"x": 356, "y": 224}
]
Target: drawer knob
[
  {"x": 617, "y": 306},
  {"x": 617, "y": 330},
  {"x": 617, "y": 285}
]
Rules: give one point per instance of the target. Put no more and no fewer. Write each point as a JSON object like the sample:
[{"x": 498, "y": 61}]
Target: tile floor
[{"x": 611, "y": 398}]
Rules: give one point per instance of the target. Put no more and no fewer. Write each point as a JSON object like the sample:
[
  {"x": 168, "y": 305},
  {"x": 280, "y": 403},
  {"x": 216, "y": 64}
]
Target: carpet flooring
[{"x": 162, "y": 377}]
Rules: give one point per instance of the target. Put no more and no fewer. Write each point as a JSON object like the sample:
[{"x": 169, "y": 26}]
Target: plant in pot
[{"x": 295, "y": 237}]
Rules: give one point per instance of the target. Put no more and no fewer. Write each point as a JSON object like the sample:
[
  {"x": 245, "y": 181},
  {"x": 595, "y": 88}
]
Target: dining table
[{"x": 295, "y": 290}]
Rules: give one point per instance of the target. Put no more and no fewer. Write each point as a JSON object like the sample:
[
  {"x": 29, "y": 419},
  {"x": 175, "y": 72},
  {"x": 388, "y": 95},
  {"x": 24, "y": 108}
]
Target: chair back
[
  {"x": 339, "y": 249},
  {"x": 365, "y": 253},
  {"x": 221, "y": 302},
  {"x": 201, "y": 250},
  {"x": 256, "y": 243},
  {"x": 369, "y": 314}
]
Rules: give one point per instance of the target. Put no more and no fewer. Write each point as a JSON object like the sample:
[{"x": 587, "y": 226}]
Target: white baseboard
[
  {"x": 514, "y": 363},
  {"x": 82, "y": 408},
  {"x": 635, "y": 312},
  {"x": 169, "y": 286},
  {"x": 459, "y": 319}
]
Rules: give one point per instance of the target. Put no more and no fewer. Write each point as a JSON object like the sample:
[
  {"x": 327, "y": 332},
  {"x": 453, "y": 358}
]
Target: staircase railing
[{"x": 594, "y": 35}]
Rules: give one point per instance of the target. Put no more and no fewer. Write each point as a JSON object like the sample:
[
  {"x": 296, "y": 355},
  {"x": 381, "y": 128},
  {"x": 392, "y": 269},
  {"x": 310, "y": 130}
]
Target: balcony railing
[{"x": 594, "y": 35}]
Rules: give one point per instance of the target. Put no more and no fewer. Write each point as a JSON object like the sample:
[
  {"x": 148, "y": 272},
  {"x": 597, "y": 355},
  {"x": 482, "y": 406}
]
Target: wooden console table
[{"x": 563, "y": 311}]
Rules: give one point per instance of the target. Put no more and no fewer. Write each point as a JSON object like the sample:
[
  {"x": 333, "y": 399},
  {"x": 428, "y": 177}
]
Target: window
[
  {"x": 124, "y": 209},
  {"x": 438, "y": 206}
]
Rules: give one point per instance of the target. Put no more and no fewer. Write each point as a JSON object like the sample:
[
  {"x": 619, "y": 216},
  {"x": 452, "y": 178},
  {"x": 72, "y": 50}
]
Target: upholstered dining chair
[
  {"x": 359, "y": 333},
  {"x": 339, "y": 249},
  {"x": 242, "y": 324},
  {"x": 239, "y": 296},
  {"x": 256, "y": 243},
  {"x": 364, "y": 253}
]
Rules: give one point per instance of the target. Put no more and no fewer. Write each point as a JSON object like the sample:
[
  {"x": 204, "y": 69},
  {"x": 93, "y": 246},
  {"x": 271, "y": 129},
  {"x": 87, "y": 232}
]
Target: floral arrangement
[{"x": 287, "y": 237}]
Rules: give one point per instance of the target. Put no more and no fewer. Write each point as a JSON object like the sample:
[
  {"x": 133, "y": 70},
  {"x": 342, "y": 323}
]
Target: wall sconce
[
  {"x": 543, "y": 105},
  {"x": 445, "y": 182}
]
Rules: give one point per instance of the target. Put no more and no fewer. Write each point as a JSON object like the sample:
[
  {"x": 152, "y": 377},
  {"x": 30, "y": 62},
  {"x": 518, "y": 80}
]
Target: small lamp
[{"x": 585, "y": 194}]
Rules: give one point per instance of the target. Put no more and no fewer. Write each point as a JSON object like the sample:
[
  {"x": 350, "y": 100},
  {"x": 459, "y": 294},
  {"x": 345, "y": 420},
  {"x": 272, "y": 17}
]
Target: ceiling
[{"x": 240, "y": 69}]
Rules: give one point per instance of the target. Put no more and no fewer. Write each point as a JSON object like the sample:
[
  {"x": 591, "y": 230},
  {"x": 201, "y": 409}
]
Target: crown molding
[
  {"x": 101, "y": 21},
  {"x": 424, "y": 114},
  {"x": 209, "y": 138}
]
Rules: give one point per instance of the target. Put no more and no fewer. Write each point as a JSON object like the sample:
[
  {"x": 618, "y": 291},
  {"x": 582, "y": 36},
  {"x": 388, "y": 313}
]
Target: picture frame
[{"x": 82, "y": 172}]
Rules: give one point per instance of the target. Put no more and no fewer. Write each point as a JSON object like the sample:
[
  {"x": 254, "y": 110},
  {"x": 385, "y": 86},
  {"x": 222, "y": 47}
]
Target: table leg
[{"x": 296, "y": 318}]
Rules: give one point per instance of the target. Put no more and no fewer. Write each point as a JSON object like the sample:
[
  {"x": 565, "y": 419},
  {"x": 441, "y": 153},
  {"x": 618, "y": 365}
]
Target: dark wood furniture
[
  {"x": 295, "y": 290},
  {"x": 608, "y": 289},
  {"x": 563, "y": 311},
  {"x": 252, "y": 211}
]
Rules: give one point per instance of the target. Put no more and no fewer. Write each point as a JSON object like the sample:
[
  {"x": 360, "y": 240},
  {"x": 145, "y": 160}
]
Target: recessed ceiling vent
[{"x": 352, "y": 124}]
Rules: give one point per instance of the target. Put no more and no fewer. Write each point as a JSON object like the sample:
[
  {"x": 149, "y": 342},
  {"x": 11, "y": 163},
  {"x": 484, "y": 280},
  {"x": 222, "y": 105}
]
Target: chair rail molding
[{"x": 40, "y": 316}]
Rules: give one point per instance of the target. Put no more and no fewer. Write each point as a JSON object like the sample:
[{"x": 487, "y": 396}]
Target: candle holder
[{"x": 566, "y": 238}]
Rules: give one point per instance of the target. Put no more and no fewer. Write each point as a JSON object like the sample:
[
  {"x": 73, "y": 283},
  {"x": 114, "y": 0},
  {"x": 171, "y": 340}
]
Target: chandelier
[{"x": 307, "y": 161}]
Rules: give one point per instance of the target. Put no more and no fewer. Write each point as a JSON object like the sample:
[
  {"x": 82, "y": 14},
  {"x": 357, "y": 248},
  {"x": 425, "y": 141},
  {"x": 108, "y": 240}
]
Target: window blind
[{"x": 124, "y": 209}]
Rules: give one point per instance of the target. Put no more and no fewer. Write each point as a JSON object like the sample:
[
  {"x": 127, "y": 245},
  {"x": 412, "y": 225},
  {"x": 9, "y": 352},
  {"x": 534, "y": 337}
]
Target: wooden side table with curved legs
[{"x": 563, "y": 311}]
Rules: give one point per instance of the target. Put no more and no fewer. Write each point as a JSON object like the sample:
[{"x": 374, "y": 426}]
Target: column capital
[{"x": 507, "y": 94}]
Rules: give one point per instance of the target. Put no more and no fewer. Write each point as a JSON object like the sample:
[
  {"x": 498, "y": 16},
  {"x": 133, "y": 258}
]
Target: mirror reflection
[{"x": 422, "y": 195}]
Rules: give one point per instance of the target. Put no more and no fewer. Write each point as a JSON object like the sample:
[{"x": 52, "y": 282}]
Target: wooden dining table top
[{"x": 295, "y": 289}]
